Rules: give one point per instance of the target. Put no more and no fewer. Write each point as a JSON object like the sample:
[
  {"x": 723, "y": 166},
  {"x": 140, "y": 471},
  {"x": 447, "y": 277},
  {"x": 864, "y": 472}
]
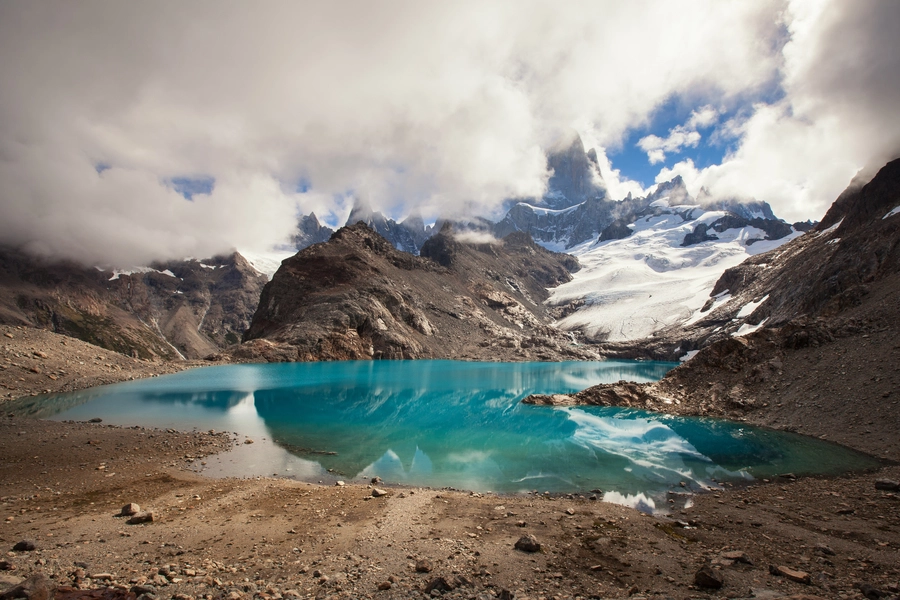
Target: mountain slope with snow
[{"x": 630, "y": 288}]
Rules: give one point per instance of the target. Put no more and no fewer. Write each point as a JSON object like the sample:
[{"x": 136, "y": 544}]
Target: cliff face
[
  {"x": 179, "y": 309},
  {"x": 357, "y": 297}
]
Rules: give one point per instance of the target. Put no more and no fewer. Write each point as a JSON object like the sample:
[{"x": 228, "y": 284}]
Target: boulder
[
  {"x": 130, "y": 509},
  {"x": 887, "y": 485},
  {"x": 709, "y": 578},
  {"x": 789, "y": 573},
  {"x": 423, "y": 565},
  {"x": 146, "y": 516},
  {"x": 528, "y": 543}
]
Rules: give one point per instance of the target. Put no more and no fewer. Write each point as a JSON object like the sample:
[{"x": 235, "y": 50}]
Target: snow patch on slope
[
  {"x": 747, "y": 309},
  {"x": 267, "y": 262},
  {"x": 747, "y": 328},
  {"x": 119, "y": 272}
]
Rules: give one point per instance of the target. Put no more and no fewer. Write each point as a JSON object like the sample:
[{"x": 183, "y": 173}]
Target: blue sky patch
[
  {"x": 188, "y": 186},
  {"x": 676, "y": 114}
]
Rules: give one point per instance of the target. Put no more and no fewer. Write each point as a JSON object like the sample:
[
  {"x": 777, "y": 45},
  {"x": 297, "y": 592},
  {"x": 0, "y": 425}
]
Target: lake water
[{"x": 449, "y": 424}]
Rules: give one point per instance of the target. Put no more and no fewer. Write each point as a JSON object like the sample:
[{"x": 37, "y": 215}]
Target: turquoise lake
[{"x": 449, "y": 424}]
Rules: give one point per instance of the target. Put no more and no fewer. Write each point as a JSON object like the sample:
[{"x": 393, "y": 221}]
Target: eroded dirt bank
[{"x": 36, "y": 361}]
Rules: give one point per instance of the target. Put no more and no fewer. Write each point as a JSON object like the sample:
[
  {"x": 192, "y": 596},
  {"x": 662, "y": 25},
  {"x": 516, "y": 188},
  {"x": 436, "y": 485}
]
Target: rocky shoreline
[{"x": 64, "y": 486}]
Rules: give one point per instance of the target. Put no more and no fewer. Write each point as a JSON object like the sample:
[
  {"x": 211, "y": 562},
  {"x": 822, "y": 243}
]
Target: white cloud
[
  {"x": 475, "y": 237},
  {"x": 680, "y": 136},
  {"x": 657, "y": 147},
  {"x": 443, "y": 106},
  {"x": 703, "y": 117}
]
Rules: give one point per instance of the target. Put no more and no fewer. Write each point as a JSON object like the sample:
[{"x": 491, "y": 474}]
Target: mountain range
[
  {"x": 575, "y": 209},
  {"x": 648, "y": 263},
  {"x": 660, "y": 276}
]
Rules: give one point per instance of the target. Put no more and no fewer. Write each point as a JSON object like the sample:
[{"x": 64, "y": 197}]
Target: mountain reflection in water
[{"x": 446, "y": 423}]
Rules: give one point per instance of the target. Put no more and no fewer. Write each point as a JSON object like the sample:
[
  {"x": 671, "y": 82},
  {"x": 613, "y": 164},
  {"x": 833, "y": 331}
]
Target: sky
[{"x": 139, "y": 131}]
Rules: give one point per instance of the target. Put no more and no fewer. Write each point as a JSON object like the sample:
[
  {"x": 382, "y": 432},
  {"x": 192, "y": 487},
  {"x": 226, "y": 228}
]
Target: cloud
[
  {"x": 840, "y": 111},
  {"x": 657, "y": 147},
  {"x": 441, "y": 107},
  {"x": 702, "y": 117},
  {"x": 680, "y": 136},
  {"x": 475, "y": 237}
]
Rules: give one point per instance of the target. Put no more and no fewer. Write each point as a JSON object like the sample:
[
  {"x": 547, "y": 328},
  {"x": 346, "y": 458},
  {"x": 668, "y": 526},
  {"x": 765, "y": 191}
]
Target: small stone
[
  {"x": 887, "y": 485},
  {"x": 871, "y": 592},
  {"x": 823, "y": 549},
  {"x": 140, "y": 590},
  {"x": 384, "y": 585},
  {"x": 709, "y": 578},
  {"x": 789, "y": 573},
  {"x": 146, "y": 516},
  {"x": 737, "y": 556},
  {"x": 528, "y": 543},
  {"x": 339, "y": 483},
  {"x": 521, "y": 524},
  {"x": 9, "y": 335},
  {"x": 375, "y": 480},
  {"x": 130, "y": 509},
  {"x": 378, "y": 492},
  {"x": 248, "y": 441},
  {"x": 5, "y": 565},
  {"x": 423, "y": 565},
  {"x": 24, "y": 546},
  {"x": 439, "y": 584},
  {"x": 507, "y": 595},
  {"x": 570, "y": 511},
  {"x": 95, "y": 420}
]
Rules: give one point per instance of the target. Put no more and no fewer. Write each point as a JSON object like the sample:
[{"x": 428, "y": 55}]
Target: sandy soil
[{"x": 63, "y": 484}]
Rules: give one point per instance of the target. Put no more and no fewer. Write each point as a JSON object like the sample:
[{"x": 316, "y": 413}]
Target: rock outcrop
[
  {"x": 310, "y": 231},
  {"x": 575, "y": 174},
  {"x": 357, "y": 297}
]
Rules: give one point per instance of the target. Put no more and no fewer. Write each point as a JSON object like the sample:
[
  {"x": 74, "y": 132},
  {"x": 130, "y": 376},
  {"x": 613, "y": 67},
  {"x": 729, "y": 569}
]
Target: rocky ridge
[
  {"x": 310, "y": 231},
  {"x": 174, "y": 310},
  {"x": 357, "y": 297},
  {"x": 603, "y": 218}
]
